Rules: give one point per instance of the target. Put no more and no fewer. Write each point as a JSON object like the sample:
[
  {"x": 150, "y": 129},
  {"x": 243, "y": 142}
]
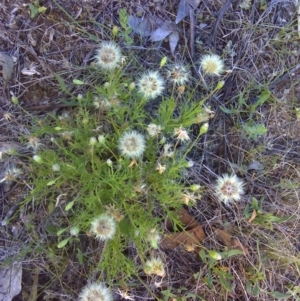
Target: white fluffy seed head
[
  {"x": 132, "y": 144},
  {"x": 103, "y": 227},
  {"x": 181, "y": 134},
  {"x": 153, "y": 129},
  {"x": 229, "y": 188},
  {"x": 178, "y": 74},
  {"x": 108, "y": 55},
  {"x": 95, "y": 292},
  {"x": 154, "y": 266},
  {"x": 212, "y": 64},
  {"x": 151, "y": 85}
]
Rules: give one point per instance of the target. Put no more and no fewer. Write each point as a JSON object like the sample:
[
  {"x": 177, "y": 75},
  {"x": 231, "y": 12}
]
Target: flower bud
[
  {"x": 220, "y": 84},
  {"x": 37, "y": 159},
  {"x": 204, "y": 128},
  {"x": 132, "y": 86},
  {"x": 195, "y": 187},
  {"x": 74, "y": 231},
  {"x": 56, "y": 167},
  {"x": 115, "y": 30},
  {"x": 93, "y": 141},
  {"x": 101, "y": 139}
]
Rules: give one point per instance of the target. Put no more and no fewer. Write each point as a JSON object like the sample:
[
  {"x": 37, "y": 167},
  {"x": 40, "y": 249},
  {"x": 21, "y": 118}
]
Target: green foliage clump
[{"x": 83, "y": 169}]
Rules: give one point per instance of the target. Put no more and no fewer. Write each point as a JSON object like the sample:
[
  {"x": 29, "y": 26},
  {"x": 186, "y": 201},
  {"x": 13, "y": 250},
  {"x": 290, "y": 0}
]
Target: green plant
[
  {"x": 125, "y": 34},
  {"x": 251, "y": 127},
  {"x": 215, "y": 267},
  {"x": 36, "y": 9},
  {"x": 111, "y": 157},
  {"x": 254, "y": 212}
]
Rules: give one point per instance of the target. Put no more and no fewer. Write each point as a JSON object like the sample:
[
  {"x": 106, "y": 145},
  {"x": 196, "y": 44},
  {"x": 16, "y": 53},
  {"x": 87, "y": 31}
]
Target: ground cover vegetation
[{"x": 150, "y": 150}]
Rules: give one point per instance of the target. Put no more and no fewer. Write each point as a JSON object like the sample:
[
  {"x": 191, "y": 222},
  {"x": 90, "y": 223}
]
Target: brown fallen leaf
[
  {"x": 230, "y": 241},
  {"x": 187, "y": 238},
  {"x": 191, "y": 235},
  {"x": 253, "y": 216}
]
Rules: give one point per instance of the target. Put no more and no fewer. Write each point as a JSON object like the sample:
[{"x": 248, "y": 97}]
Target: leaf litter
[{"x": 193, "y": 234}]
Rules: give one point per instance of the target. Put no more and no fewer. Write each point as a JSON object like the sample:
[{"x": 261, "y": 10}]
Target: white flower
[
  {"x": 11, "y": 173},
  {"x": 190, "y": 163},
  {"x": 154, "y": 266},
  {"x": 188, "y": 198},
  {"x": 132, "y": 144},
  {"x": 178, "y": 74},
  {"x": 167, "y": 152},
  {"x": 212, "y": 64},
  {"x": 34, "y": 144},
  {"x": 161, "y": 168},
  {"x": 181, "y": 134},
  {"x": 125, "y": 295},
  {"x": 56, "y": 167},
  {"x": 103, "y": 227},
  {"x": 151, "y": 84},
  {"x": 153, "y": 129},
  {"x": 229, "y": 188},
  {"x": 95, "y": 292},
  {"x": 108, "y": 55},
  {"x": 74, "y": 231},
  {"x": 68, "y": 135}
]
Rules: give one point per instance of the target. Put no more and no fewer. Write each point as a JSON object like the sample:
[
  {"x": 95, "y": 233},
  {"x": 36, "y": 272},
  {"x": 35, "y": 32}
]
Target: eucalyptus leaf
[
  {"x": 7, "y": 67},
  {"x": 142, "y": 26},
  {"x": 10, "y": 281},
  {"x": 162, "y": 31},
  {"x": 184, "y": 8},
  {"x": 173, "y": 40}
]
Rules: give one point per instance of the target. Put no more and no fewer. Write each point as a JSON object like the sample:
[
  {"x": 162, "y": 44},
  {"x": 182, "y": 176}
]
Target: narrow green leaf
[
  {"x": 51, "y": 182},
  {"x": 163, "y": 61},
  {"x": 69, "y": 205},
  {"x": 255, "y": 291},
  {"x": 79, "y": 256},
  {"x": 33, "y": 11},
  {"x": 263, "y": 97},
  {"x": 124, "y": 226},
  {"x": 248, "y": 287},
  {"x": 280, "y": 296},
  {"x": 78, "y": 82},
  {"x": 15, "y": 100},
  {"x": 227, "y": 111},
  {"x": 230, "y": 253},
  {"x": 61, "y": 231},
  {"x": 63, "y": 243},
  {"x": 51, "y": 229},
  {"x": 61, "y": 82},
  {"x": 225, "y": 284},
  {"x": 42, "y": 9},
  {"x": 203, "y": 256}
]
